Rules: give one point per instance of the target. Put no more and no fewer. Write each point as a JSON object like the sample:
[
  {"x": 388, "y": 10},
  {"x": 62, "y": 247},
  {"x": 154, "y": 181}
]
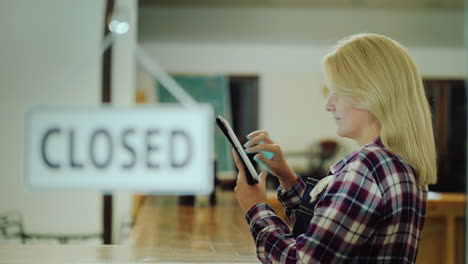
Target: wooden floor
[{"x": 219, "y": 232}]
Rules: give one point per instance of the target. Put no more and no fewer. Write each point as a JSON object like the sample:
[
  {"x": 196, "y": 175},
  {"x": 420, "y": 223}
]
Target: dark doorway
[
  {"x": 448, "y": 104},
  {"x": 244, "y": 104}
]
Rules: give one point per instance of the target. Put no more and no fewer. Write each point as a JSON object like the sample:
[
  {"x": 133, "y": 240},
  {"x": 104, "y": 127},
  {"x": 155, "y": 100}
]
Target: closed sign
[{"x": 164, "y": 149}]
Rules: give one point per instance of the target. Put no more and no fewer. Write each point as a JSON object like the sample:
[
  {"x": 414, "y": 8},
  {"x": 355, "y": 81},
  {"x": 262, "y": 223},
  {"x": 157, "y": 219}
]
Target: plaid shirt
[{"x": 371, "y": 212}]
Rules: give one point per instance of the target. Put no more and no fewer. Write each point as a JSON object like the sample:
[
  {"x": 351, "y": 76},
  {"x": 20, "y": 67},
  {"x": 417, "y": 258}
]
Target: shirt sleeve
[
  {"x": 291, "y": 198},
  {"x": 345, "y": 217}
]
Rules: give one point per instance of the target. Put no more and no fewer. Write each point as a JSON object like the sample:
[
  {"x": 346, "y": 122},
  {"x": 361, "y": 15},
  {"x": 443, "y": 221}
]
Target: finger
[
  {"x": 263, "y": 175},
  {"x": 240, "y": 167},
  {"x": 239, "y": 164},
  {"x": 273, "y": 148},
  {"x": 238, "y": 180},
  {"x": 241, "y": 179},
  {"x": 259, "y": 139},
  {"x": 266, "y": 163},
  {"x": 256, "y": 133}
]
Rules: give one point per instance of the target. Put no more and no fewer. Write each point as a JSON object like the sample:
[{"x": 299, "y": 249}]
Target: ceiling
[{"x": 386, "y": 4}]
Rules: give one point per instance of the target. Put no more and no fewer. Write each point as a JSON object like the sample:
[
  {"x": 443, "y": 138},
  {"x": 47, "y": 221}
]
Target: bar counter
[
  {"x": 81, "y": 254},
  {"x": 167, "y": 231}
]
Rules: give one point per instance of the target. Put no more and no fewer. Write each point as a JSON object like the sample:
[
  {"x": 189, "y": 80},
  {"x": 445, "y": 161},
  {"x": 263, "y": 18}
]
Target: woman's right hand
[{"x": 258, "y": 142}]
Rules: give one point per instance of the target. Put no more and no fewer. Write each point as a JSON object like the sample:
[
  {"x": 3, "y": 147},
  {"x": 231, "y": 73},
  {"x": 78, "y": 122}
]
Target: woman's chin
[{"x": 340, "y": 133}]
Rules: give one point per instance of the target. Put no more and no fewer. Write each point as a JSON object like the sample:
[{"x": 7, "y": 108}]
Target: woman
[{"x": 371, "y": 206}]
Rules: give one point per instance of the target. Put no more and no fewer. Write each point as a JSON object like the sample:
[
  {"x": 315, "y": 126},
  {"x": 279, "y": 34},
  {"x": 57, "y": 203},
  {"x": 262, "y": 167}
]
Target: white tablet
[{"x": 250, "y": 172}]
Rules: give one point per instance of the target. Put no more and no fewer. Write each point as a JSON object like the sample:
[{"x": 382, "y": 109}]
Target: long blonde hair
[{"x": 376, "y": 73}]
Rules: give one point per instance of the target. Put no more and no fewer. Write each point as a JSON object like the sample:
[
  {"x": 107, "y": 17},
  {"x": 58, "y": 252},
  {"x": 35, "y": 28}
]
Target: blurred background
[{"x": 257, "y": 62}]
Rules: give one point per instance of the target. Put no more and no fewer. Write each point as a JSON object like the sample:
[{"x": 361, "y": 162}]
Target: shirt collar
[
  {"x": 376, "y": 143},
  {"x": 337, "y": 167}
]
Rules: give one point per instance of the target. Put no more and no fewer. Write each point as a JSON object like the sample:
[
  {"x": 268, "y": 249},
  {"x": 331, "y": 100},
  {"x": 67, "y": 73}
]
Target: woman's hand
[
  {"x": 248, "y": 195},
  {"x": 259, "y": 142}
]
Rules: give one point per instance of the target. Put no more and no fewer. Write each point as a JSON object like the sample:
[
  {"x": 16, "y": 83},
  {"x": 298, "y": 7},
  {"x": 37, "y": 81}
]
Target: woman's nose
[{"x": 330, "y": 106}]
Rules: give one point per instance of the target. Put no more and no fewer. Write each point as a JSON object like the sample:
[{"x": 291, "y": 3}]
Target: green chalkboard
[{"x": 215, "y": 91}]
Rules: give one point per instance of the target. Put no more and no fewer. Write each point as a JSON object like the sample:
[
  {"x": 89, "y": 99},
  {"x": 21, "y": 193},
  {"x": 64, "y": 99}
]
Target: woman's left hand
[{"x": 248, "y": 195}]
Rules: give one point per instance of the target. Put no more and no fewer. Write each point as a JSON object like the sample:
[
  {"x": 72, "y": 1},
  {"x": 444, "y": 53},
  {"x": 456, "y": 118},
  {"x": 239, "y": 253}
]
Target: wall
[
  {"x": 285, "y": 46},
  {"x": 49, "y": 56},
  {"x": 310, "y": 26}
]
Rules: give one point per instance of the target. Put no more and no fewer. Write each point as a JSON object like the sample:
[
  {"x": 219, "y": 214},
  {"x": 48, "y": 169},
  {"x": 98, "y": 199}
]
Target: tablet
[{"x": 250, "y": 172}]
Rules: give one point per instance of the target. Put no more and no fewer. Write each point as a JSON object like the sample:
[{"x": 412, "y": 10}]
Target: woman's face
[{"x": 352, "y": 122}]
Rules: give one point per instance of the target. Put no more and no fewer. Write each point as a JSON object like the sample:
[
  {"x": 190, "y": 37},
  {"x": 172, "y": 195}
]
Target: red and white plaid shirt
[{"x": 371, "y": 212}]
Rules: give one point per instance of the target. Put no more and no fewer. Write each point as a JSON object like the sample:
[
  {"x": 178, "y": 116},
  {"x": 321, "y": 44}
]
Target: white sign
[{"x": 165, "y": 149}]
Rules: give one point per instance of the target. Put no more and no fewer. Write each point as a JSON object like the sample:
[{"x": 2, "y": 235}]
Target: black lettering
[
  {"x": 179, "y": 135},
  {"x": 104, "y": 134},
  {"x": 71, "y": 150},
  {"x": 151, "y": 148},
  {"x": 46, "y": 160},
  {"x": 127, "y": 146}
]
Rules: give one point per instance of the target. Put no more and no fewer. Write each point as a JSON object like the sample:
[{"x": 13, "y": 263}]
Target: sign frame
[{"x": 198, "y": 179}]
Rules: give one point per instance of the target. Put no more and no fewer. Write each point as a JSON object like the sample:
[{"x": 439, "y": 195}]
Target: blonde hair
[{"x": 376, "y": 73}]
